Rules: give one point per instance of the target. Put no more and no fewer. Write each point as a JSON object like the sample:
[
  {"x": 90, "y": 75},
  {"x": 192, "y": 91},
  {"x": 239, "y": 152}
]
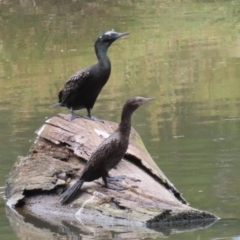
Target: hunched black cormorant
[
  {"x": 83, "y": 88},
  {"x": 109, "y": 153}
]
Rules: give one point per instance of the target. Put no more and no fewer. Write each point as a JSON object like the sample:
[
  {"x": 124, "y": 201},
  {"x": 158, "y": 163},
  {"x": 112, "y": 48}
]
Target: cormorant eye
[{"x": 110, "y": 34}]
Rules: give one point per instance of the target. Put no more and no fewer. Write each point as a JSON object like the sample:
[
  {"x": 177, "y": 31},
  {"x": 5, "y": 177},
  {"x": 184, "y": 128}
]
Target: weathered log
[{"x": 56, "y": 159}]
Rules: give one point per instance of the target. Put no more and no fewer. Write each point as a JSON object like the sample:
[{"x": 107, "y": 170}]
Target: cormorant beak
[
  {"x": 121, "y": 34},
  {"x": 145, "y": 100},
  {"x": 148, "y": 99}
]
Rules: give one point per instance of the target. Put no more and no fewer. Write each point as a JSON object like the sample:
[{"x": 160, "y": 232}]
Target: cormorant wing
[
  {"x": 104, "y": 153},
  {"x": 73, "y": 84}
]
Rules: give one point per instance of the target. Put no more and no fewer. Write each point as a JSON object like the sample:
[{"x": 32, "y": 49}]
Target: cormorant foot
[
  {"x": 135, "y": 179},
  {"x": 74, "y": 116},
  {"x": 94, "y": 119},
  {"x": 116, "y": 178},
  {"x": 115, "y": 187}
]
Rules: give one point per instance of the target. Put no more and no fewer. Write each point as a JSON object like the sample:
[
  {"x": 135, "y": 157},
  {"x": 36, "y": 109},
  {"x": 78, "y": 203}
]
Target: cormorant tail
[
  {"x": 56, "y": 105},
  {"x": 71, "y": 192}
]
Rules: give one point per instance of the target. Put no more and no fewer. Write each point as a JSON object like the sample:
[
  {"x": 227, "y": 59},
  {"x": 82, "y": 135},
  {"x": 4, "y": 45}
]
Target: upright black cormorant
[
  {"x": 109, "y": 153},
  {"x": 83, "y": 88}
]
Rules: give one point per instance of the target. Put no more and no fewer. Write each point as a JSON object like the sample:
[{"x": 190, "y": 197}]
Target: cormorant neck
[
  {"x": 125, "y": 124},
  {"x": 103, "y": 59}
]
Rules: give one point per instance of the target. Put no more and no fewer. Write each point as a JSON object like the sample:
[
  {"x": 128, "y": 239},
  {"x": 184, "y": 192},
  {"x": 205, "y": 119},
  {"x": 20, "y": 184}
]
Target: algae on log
[{"x": 56, "y": 159}]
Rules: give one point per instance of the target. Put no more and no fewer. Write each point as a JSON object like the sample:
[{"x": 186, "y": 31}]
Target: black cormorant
[
  {"x": 109, "y": 153},
  {"x": 83, "y": 88}
]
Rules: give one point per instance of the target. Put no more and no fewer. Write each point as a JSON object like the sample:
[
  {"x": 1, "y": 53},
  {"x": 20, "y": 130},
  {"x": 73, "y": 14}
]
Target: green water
[{"x": 186, "y": 54}]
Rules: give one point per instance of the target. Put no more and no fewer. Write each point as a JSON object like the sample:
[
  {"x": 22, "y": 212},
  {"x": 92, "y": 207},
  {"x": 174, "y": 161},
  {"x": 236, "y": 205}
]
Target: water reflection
[
  {"x": 184, "y": 53},
  {"x": 27, "y": 226}
]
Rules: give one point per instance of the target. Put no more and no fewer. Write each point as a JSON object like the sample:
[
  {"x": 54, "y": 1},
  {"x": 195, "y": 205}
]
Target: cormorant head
[
  {"x": 133, "y": 103},
  {"x": 107, "y": 38}
]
